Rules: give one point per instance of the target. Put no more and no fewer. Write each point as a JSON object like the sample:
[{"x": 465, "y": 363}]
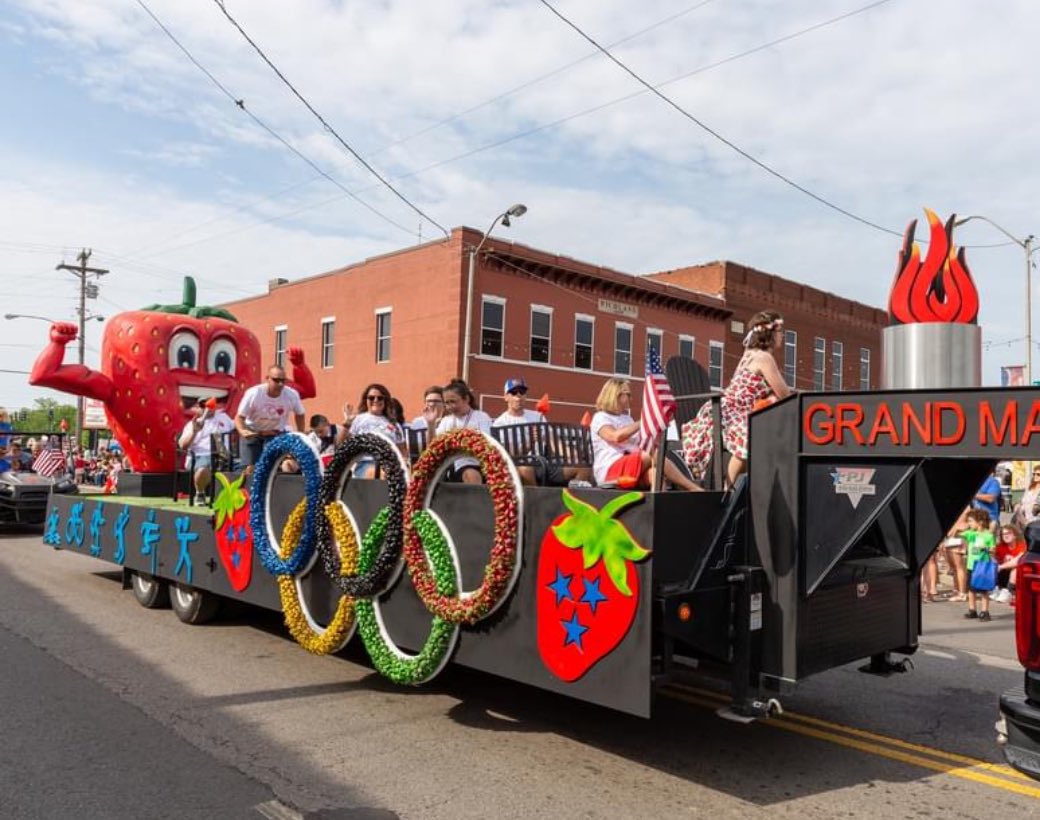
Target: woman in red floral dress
[{"x": 757, "y": 377}]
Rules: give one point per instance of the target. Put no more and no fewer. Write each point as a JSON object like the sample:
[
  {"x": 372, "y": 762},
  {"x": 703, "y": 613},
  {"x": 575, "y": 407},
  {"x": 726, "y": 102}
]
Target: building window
[
  {"x": 654, "y": 341},
  {"x": 584, "y": 327},
  {"x": 715, "y": 351},
  {"x": 790, "y": 357},
  {"x": 328, "y": 336},
  {"x": 864, "y": 368},
  {"x": 837, "y": 363},
  {"x": 492, "y": 326},
  {"x": 819, "y": 364},
  {"x": 623, "y": 349},
  {"x": 541, "y": 333},
  {"x": 686, "y": 345},
  {"x": 281, "y": 335},
  {"x": 383, "y": 334}
]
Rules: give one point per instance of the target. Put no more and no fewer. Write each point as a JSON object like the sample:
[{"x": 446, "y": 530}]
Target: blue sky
[{"x": 113, "y": 140}]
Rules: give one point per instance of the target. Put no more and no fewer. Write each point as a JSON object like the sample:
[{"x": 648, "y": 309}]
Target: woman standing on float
[{"x": 757, "y": 377}]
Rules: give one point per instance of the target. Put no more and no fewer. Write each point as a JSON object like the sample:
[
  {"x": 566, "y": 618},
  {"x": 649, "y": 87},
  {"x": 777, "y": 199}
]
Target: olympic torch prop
[{"x": 933, "y": 340}]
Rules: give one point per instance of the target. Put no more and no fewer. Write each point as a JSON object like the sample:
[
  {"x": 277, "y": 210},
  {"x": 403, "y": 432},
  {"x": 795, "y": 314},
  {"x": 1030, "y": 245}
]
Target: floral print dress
[{"x": 738, "y": 400}]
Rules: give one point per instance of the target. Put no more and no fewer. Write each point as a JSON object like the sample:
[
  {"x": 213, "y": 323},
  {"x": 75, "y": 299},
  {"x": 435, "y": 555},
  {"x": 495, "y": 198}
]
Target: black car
[
  {"x": 1020, "y": 709},
  {"x": 24, "y": 495}
]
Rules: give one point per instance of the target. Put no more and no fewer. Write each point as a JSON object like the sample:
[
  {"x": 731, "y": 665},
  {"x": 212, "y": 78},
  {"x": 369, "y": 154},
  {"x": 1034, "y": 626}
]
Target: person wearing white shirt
[
  {"x": 460, "y": 412},
  {"x": 197, "y": 438},
  {"x": 264, "y": 414},
  {"x": 374, "y": 419}
]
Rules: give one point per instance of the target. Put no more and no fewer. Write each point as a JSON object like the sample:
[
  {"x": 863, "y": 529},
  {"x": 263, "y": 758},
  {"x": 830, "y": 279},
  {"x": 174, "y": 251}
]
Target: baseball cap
[{"x": 515, "y": 384}]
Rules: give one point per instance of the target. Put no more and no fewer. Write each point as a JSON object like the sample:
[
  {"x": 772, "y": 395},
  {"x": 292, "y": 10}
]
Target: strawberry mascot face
[
  {"x": 157, "y": 363},
  {"x": 162, "y": 360}
]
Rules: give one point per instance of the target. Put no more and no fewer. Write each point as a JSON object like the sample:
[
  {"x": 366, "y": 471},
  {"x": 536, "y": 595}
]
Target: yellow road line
[{"x": 968, "y": 770}]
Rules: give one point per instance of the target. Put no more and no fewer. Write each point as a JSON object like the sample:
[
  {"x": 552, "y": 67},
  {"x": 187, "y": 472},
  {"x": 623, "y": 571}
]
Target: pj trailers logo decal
[{"x": 854, "y": 482}]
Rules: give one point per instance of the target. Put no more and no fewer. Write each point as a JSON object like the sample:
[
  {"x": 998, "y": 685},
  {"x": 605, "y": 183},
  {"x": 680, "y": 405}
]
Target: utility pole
[{"x": 86, "y": 289}]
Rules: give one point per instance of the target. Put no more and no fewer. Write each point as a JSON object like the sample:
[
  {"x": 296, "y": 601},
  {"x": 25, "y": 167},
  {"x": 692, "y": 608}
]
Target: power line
[
  {"x": 322, "y": 120},
  {"x": 712, "y": 132},
  {"x": 535, "y": 80},
  {"x": 241, "y": 104}
]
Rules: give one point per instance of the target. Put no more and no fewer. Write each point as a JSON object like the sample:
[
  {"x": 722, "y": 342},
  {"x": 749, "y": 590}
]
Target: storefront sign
[{"x": 618, "y": 308}]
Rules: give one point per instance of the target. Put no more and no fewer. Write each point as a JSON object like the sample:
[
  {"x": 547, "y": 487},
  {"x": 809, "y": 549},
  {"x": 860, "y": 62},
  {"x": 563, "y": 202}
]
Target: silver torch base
[{"x": 930, "y": 355}]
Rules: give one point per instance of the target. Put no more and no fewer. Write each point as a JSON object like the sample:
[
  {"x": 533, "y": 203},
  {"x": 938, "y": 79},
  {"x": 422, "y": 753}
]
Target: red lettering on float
[
  {"x": 911, "y": 419},
  {"x": 1032, "y": 425},
  {"x": 944, "y": 408},
  {"x": 851, "y": 424},
  {"x": 826, "y": 427},
  {"x": 884, "y": 424},
  {"x": 988, "y": 426}
]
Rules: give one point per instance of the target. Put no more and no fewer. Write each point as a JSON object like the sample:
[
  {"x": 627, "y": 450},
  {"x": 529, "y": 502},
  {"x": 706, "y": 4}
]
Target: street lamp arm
[{"x": 1020, "y": 242}]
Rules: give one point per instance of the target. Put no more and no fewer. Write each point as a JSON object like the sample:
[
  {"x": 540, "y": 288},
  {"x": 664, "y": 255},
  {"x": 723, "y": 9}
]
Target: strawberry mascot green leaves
[{"x": 588, "y": 586}]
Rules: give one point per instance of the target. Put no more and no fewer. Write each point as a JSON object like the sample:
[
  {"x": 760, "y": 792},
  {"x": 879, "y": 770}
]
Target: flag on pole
[
  {"x": 49, "y": 463},
  {"x": 658, "y": 402}
]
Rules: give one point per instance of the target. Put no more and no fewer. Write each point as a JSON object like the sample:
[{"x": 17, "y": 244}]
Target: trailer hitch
[
  {"x": 751, "y": 710},
  {"x": 883, "y": 666}
]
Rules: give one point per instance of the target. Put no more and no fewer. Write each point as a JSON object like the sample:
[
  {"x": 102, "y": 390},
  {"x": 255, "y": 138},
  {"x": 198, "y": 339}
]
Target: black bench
[{"x": 546, "y": 444}]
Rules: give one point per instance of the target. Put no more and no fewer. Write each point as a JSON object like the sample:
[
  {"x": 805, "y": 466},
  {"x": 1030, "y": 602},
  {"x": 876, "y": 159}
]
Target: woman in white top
[
  {"x": 375, "y": 419},
  {"x": 1028, "y": 508},
  {"x": 617, "y": 458},
  {"x": 460, "y": 412}
]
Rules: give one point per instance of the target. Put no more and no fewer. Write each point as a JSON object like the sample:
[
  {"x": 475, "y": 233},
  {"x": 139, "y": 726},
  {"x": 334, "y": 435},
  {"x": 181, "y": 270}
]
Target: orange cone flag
[
  {"x": 586, "y": 420},
  {"x": 543, "y": 405},
  {"x": 211, "y": 403}
]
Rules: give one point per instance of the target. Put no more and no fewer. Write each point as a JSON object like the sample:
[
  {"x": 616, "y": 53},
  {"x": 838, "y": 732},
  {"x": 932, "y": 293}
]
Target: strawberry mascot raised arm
[{"x": 156, "y": 364}]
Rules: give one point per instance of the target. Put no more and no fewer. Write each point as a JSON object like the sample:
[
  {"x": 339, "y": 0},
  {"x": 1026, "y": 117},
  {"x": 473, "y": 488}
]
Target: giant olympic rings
[
  {"x": 266, "y": 544},
  {"x": 503, "y": 565},
  {"x": 380, "y": 569},
  {"x": 386, "y": 656}
]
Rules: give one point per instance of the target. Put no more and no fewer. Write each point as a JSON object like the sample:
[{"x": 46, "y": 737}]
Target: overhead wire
[
  {"x": 281, "y": 76},
  {"x": 715, "y": 134},
  {"x": 270, "y": 131}
]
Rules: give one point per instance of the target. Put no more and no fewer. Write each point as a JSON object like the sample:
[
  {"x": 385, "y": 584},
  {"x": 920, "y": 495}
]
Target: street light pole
[
  {"x": 1026, "y": 245},
  {"x": 82, "y": 271},
  {"x": 471, "y": 276}
]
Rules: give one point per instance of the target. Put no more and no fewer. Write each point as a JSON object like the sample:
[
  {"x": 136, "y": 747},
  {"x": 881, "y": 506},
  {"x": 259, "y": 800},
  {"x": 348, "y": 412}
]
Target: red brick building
[
  {"x": 831, "y": 343},
  {"x": 399, "y": 319}
]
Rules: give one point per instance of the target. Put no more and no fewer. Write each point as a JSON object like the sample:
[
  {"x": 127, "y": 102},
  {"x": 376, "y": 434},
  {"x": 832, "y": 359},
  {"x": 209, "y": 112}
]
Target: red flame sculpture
[{"x": 939, "y": 289}]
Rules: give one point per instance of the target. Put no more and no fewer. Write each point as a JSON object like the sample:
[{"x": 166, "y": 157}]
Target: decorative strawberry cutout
[
  {"x": 588, "y": 587},
  {"x": 234, "y": 538}
]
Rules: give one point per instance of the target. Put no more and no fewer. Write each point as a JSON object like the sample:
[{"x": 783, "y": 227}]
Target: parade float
[{"x": 811, "y": 562}]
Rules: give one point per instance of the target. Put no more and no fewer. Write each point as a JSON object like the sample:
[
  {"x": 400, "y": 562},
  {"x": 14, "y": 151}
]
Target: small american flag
[
  {"x": 658, "y": 402},
  {"x": 49, "y": 463}
]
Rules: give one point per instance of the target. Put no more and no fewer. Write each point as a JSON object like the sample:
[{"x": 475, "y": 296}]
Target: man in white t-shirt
[
  {"x": 264, "y": 413},
  {"x": 197, "y": 439}
]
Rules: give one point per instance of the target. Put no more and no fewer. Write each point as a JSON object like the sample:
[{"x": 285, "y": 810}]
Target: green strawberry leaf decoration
[
  {"x": 188, "y": 307},
  {"x": 230, "y": 499},
  {"x": 599, "y": 535}
]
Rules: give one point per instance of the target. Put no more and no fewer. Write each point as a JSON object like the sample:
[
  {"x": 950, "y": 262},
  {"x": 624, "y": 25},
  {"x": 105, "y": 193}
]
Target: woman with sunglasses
[
  {"x": 1028, "y": 508},
  {"x": 460, "y": 412},
  {"x": 376, "y": 418}
]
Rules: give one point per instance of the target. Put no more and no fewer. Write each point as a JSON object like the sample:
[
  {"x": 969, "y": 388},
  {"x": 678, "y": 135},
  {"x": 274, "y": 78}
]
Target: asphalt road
[{"x": 116, "y": 711}]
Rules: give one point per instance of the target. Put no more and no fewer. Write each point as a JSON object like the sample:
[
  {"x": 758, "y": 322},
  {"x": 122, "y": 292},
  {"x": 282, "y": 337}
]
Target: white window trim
[
  {"x": 584, "y": 317},
  {"x": 864, "y": 359},
  {"x": 794, "y": 364},
  {"x": 530, "y": 337},
  {"x": 721, "y": 347},
  {"x": 495, "y": 300},
  {"x": 327, "y": 320},
  {"x": 631, "y": 339},
  {"x": 837, "y": 355},
  {"x": 281, "y": 329},
  {"x": 683, "y": 337},
  {"x": 659, "y": 333},
  {"x": 822, "y": 372},
  {"x": 383, "y": 311}
]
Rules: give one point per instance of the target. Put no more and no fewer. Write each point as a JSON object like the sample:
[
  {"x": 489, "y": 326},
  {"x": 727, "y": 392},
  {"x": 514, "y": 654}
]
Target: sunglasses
[
  {"x": 277, "y": 381},
  {"x": 372, "y": 399},
  {"x": 517, "y": 392}
]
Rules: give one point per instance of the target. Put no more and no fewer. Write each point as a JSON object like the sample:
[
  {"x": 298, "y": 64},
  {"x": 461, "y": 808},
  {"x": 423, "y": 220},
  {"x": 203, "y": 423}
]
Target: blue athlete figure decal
[
  {"x": 184, "y": 537},
  {"x": 97, "y": 521},
  {"x": 52, "y": 535},
  {"x": 120, "y": 531},
  {"x": 74, "y": 526},
  {"x": 150, "y": 540}
]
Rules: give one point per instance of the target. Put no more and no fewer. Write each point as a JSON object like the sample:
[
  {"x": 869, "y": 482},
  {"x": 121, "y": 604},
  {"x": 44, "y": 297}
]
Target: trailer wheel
[
  {"x": 193, "y": 606},
  {"x": 150, "y": 592}
]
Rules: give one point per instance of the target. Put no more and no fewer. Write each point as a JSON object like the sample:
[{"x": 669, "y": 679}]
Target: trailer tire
[
  {"x": 193, "y": 606},
  {"x": 149, "y": 591}
]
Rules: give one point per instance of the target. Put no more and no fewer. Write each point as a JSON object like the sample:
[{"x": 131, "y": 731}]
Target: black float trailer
[{"x": 812, "y": 561}]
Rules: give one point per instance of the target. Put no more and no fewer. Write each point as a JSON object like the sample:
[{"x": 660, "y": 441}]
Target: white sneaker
[{"x": 1005, "y": 596}]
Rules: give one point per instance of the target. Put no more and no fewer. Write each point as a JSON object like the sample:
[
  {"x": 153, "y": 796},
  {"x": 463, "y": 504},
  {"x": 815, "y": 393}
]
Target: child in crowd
[
  {"x": 1011, "y": 546},
  {"x": 980, "y": 546}
]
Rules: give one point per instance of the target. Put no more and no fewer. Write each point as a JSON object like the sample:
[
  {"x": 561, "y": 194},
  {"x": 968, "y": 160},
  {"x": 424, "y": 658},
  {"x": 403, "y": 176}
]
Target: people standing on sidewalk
[
  {"x": 980, "y": 547},
  {"x": 1028, "y": 508}
]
